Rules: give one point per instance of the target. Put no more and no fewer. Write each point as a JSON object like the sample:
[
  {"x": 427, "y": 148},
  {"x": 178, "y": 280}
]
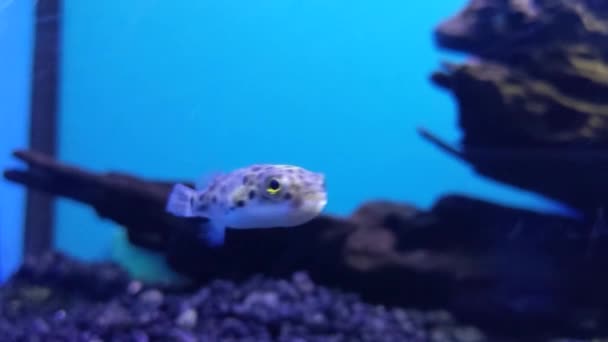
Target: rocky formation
[{"x": 532, "y": 104}]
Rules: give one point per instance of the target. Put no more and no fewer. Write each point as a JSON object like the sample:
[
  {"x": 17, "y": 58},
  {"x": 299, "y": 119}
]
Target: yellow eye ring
[{"x": 273, "y": 186}]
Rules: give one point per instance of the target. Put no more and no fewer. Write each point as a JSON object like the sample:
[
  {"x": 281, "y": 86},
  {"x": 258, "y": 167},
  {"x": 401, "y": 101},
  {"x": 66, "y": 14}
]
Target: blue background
[
  {"x": 175, "y": 90},
  {"x": 16, "y": 30}
]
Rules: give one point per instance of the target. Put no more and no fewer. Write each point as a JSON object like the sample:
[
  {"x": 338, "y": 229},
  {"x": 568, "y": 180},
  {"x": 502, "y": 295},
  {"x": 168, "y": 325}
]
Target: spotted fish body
[{"x": 258, "y": 196}]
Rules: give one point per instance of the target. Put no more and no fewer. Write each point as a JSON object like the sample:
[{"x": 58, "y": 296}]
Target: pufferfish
[{"x": 257, "y": 196}]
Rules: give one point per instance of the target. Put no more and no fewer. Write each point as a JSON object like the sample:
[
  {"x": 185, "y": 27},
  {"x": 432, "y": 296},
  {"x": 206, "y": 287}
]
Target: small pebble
[
  {"x": 40, "y": 326},
  {"x": 184, "y": 336},
  {"x": 139, "y": 336},
  {"x": 59, "y": 315},
  {"x": 152, "y": 297},
  {"x": 113, "y": 315},
  {"x": 303, "y": 282},
  {"x": 134, "y": 287},
  {"x": 262, "y": 298},
  {"x": 187, "y": 319}
]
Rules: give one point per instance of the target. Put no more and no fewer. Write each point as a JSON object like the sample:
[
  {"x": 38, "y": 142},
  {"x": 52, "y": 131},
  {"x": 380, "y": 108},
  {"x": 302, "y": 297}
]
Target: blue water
[
  {"x": 174, "y": 90},
  {"x": 15, "y": 70}
]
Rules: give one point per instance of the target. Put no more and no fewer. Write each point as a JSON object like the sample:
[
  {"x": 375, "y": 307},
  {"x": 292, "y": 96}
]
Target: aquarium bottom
[{"x": 56, "y": 298}]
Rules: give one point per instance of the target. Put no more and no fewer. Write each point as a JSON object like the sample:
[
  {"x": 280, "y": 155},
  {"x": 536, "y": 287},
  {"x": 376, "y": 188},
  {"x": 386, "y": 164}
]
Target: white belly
[{"x": 270, "y": 216}]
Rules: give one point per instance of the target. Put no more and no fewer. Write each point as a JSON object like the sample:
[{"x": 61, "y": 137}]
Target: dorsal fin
[{"x": 205, "y": 180}]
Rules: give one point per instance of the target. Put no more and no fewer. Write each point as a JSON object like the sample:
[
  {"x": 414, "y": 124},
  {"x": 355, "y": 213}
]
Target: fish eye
[{"x": 273, "y": 186}]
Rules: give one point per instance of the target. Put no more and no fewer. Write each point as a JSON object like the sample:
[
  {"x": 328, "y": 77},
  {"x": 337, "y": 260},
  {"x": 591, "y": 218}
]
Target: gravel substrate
[{"x": 57, "y": 299}]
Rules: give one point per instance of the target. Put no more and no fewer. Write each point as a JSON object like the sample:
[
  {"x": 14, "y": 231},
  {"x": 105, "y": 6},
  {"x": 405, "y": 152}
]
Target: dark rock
[
  {"x": 501, "y": 30},
  {"x": 532, "y": 103}
]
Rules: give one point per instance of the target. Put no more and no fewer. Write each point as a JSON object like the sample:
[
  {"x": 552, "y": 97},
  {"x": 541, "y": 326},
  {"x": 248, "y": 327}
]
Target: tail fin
[{"x": 180, "y": 201}]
